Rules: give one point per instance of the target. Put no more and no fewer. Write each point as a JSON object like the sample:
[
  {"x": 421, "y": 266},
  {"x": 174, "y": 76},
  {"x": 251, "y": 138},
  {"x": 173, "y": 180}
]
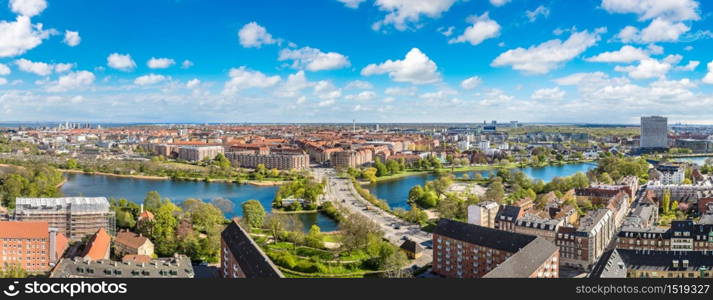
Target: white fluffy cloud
[
  {"x": 673, "y": 10},
  {"x": 71, "y": 81},
  {"x": 471, "y": 83},
  {"x": 626, "y": 54},
  {"x": 356, "y": 84},
  {"x": 404, "y": 13},
  {"x": 121, "y": 62},
  {"x": 362, "y": 96},
  {"x": 252, "y": 35},
  {"x": 28, "y": 8},
  {"x": 415, "y": 68},
  {"x": 72, "y": 38},
  {"x": 186, "y": 64},
  {"x": 666, "y": 18},
  {"x": 542, "y": 58},
  {"x": 193, "y": 83},
  {"x": 483, "y": 28},
  {"x": 18, "y": 37},
  {"x": 61, "y": 68},
  {"x": 149, "y": 79},
  {"x": 692, "y": 65},
  {"x": 499, "y": 2},
  {"x": 532, "y": 15},
  {"x": 708, "y": 79},
  {"x": 647, "y": 68},
  {"x": 554, "y": 93},
  {"x": 659, "y": 30},
  {"x": 314, "y": 59},
  {"x": 160, "y": 63},
  {"x": 39, "y": 68},
  {"x": 243, "y": 78},
  {"x": 4, "y": 70},
  {"x": 294, "y": 84},
  {"x": 351, "y": 3}
]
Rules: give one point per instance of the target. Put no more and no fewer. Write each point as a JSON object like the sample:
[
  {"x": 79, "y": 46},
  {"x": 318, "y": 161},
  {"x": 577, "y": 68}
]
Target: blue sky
[{"x": 601, "y": 61}]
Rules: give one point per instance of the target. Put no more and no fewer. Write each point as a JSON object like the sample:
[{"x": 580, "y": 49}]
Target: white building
[{"x": 483, "y": 214}]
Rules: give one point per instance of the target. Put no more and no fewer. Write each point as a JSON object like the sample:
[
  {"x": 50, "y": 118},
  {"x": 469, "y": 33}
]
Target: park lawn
[
  {"x": 332, "y": 238},
  {"x": 182, "y": 166}
]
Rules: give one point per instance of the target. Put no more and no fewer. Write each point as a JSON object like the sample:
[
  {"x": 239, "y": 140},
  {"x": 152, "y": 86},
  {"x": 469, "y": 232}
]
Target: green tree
[
  {"x": 369, "y": 174},
  {"x": 152, "y": 201},
  {"x": 666, "y": 202},
  {"x": 495, "y": 192},
  {"x": 254, "y": 213},
  {"x": 72, "y": 164},
  {"x": 164, "y": 229},
  {"x": 381, "y": 169}
]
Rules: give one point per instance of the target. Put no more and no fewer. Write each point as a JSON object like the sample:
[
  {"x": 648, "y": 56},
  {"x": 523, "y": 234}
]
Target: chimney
[{"x": 142, "y": 208}]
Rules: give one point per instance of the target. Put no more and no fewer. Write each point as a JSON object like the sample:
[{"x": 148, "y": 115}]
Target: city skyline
[{"x": 445, "y": 61}]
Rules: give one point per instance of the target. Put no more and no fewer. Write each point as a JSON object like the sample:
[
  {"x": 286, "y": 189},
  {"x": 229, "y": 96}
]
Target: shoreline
[
  {"x": 468, "y": 169},
  {"x": 150, "y": 177}
]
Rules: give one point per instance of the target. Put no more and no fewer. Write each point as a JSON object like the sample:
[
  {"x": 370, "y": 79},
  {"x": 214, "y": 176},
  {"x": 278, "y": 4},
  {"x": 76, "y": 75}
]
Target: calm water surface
[{"x": 135, "y": 190}]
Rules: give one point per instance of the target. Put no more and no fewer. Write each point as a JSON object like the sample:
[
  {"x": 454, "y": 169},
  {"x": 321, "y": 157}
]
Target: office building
[{"x": 654, "y": 132}]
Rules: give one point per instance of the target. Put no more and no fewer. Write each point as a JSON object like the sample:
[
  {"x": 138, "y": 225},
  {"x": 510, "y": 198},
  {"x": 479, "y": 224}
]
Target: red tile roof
[
  {"x": 98, "y": 246},
  {"x": 24, "y": 230}
]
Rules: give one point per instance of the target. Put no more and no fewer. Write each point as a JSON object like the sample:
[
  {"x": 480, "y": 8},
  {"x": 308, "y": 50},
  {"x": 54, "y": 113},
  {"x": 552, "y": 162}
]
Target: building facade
[
  {"x": 31, "y": 245},
  {"x": 241, "y": 257},
  {"x": 198, "y": 153},
  {"x": 462, "y": 250},
  {"x": 270, "y": 161},
  {"x": 654, "y": 132},
  {"x": 74, "y": 217}
]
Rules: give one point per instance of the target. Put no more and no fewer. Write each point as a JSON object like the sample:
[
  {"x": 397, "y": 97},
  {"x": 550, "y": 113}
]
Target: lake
[
  {"x": 135, "y": 190},
  {"x": 395, "y": 192},
  {"x": 700, "y": 160}
]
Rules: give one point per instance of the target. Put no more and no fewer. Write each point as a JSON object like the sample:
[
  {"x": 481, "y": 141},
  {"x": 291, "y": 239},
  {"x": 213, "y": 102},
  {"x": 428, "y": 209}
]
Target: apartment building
[
  {"x": 178, "y": 266},
  {"x": 241, "y": 257},
  {"x": 680, "y": 236},
  {"x": 624, "y": 263},
  {"x": 73, "y": 217},
  {"x": 198, "y": 153},
  {"x": 351, "y": 158},
  {"x": 462, "y": 250},
  {"x": 583, "y": 246},
  {"x": 31, "y": 245},
  {"x": 483, "y": 214},
  {"x": 270, "y": 161}
]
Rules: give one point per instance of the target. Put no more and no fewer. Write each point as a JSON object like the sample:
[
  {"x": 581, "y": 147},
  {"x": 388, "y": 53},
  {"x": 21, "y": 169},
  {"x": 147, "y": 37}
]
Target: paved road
[{"x": 341, "y": 192}]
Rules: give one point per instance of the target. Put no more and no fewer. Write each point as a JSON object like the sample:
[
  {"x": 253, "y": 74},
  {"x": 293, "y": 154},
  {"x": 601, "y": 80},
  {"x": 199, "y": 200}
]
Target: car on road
[{"x": 396, "y": 226}]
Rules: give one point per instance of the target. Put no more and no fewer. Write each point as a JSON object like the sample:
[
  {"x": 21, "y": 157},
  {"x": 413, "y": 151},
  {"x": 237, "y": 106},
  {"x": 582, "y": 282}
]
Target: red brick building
[
  {"x": 31, "y": 245},
  {"x": 462, "y": 250},
  {"x": 241, "y": 257}
]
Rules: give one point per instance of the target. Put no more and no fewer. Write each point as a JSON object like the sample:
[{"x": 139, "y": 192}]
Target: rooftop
[
  {"x": 178, "y": 266},
  {"x": 525, "y": 262},
  {"x": 253, "y": 262},
  {"x": 24, "y": 230},
  {"x": 73, "y": 204},
  {"x": 483, "y": 236}
]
